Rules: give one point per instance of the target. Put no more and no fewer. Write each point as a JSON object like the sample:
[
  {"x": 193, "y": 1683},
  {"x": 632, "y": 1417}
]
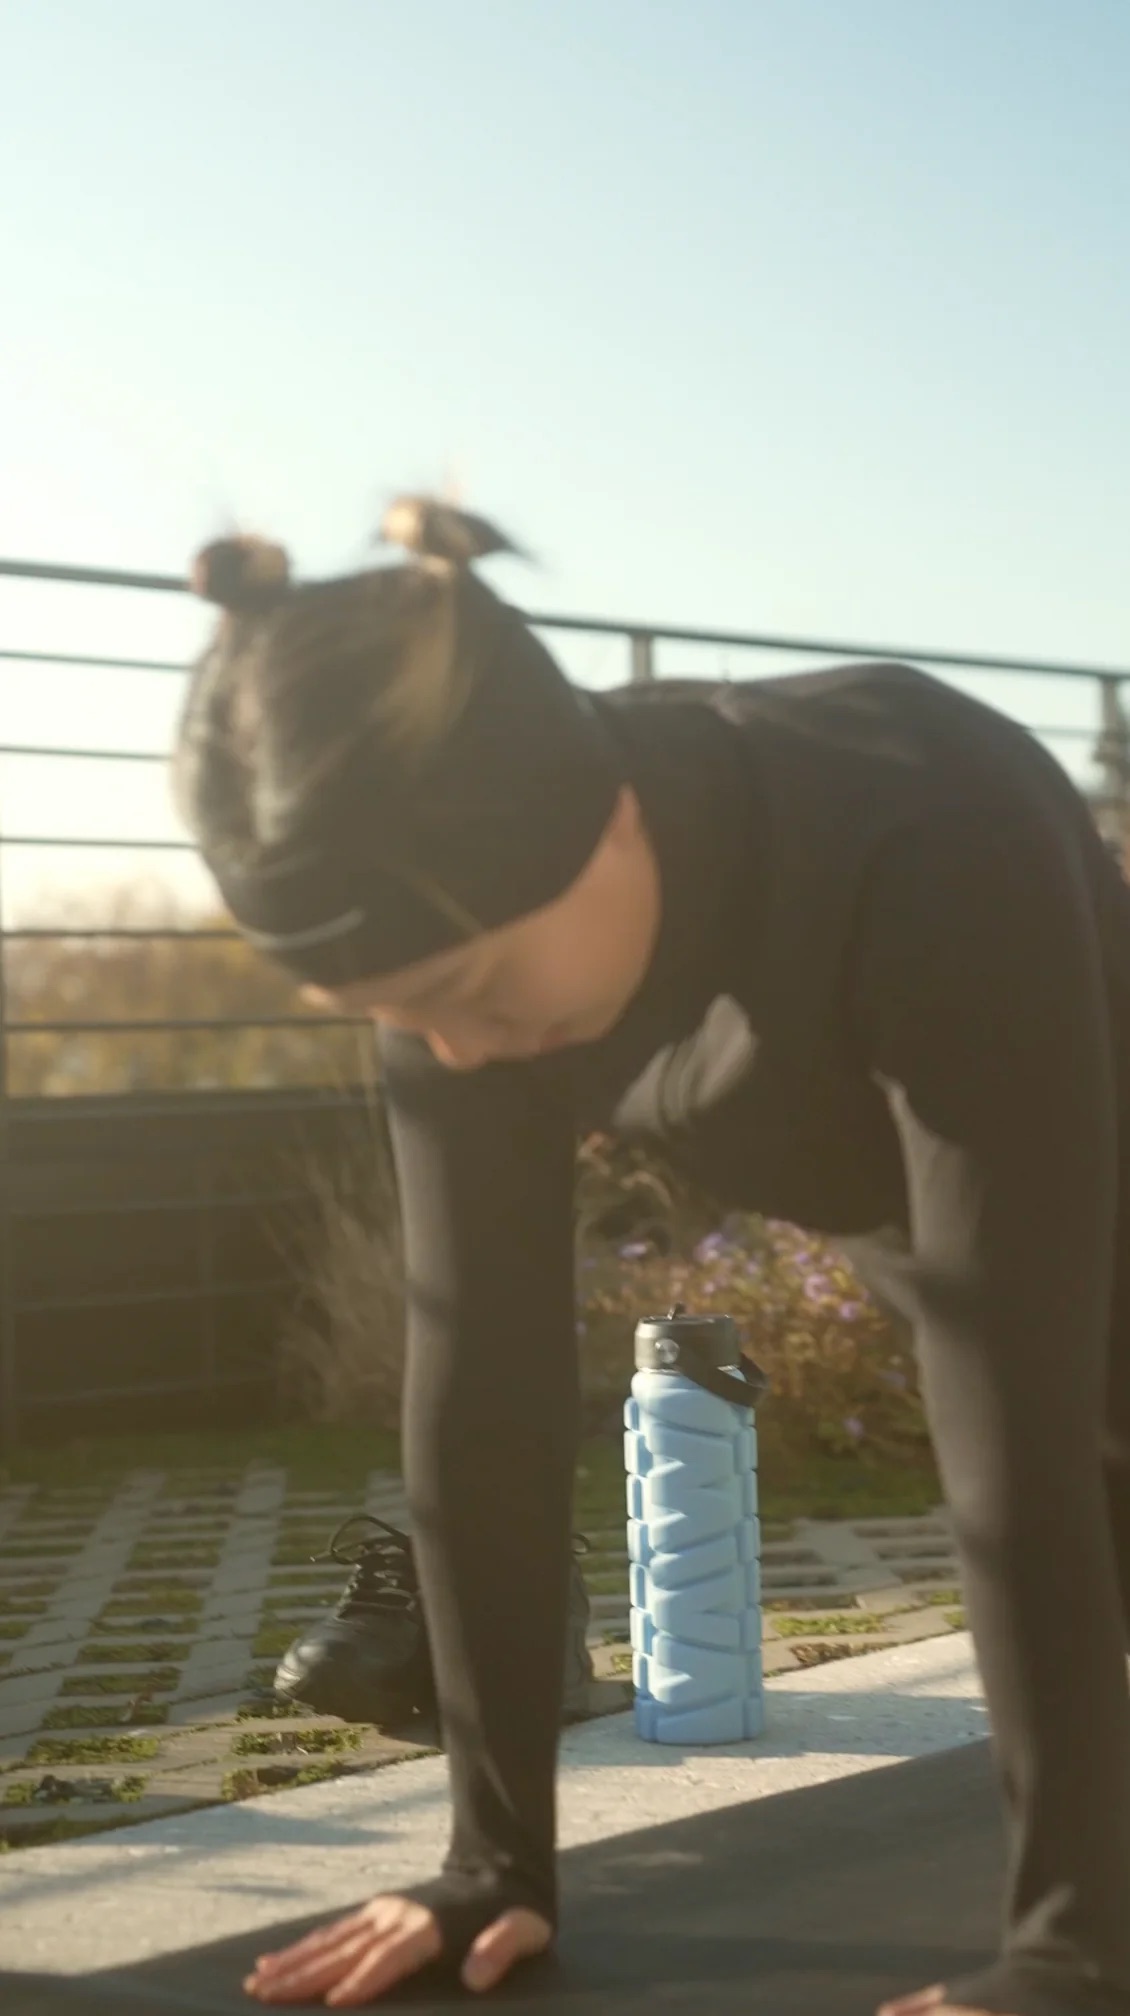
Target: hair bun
[
  {"x": 439, "y": 531},
  {"x": 238, "y": 574}
]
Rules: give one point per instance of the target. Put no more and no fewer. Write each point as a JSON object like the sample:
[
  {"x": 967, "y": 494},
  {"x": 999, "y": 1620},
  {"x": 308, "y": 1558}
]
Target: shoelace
[{"x": 384, "y": 1573}]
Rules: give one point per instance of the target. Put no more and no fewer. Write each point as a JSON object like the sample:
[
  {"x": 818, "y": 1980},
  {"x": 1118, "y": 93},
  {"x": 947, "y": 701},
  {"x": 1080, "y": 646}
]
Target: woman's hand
[{"x": 356, "y": 1959}]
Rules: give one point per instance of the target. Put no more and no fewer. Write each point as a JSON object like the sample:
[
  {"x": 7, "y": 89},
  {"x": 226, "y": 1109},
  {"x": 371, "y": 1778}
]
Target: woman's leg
[{"x": 981, "y": 1001}]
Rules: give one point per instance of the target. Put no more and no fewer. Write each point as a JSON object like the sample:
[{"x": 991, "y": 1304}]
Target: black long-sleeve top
[{"x": 832, "y": 848}]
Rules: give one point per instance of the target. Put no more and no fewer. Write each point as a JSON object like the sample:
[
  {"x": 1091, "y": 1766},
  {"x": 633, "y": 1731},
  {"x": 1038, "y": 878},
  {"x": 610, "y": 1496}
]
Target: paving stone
[{"x": 868, "y": 1567}]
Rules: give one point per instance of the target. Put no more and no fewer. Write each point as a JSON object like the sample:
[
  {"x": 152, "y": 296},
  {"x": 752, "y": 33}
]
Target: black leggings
[{"x": 1014, "y": 1119}]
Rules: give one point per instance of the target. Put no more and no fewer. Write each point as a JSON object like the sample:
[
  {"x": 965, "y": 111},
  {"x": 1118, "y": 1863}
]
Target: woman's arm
[{"x": 485, "y": 1168}]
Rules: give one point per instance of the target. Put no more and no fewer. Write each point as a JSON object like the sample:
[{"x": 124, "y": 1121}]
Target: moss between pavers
[
  {"x": 150, "y": 1556},
  {"x": 956, "y": 1620},
  {"x": 18, "y": 1594},
  {"x": 608, "y": 1582},
  {"x": 39, "y": 1528},
  {"x": 307, "y": 1742},
  {"x": 11, "y": 1629},
  {"x": 183, "y": 1600},
  {"x": 838, "y": 1625},
  {"x": 133, "y": 1652},
  {"x": 47, "y": 1833},
  {"x": 138, "y": 1714},
  {"x": 27, "y": 1792},
  {"x": 94, "y": 1750},
  {"x": 40, "y": 1550},
  {"x": 270, "y": 1710},
  {"x": 158, "y": 1679},
  {"x": 272, "y": 1642},
  {"x": 251, "y": 1781},
  {"x": 821, "y": 1652}
]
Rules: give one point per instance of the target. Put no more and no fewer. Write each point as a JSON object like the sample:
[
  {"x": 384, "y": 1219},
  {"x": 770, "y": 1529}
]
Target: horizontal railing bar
[
  {"x": 93, "y": 664},
  {"x": 40, "y": 750},
  {"x": 139, "y": 931},
  {"x": 143, "y": 1297},
  {"x": 145, "y": 1388},
  {"x": 133, "y": 1206},
  {"x": 136, "y": 1028},
  {"x": 84, "y": 755},
  {"x": 608, "y": 627},
  {"x": 127, "y": 846},
  {"x": 93, "y": 577}
]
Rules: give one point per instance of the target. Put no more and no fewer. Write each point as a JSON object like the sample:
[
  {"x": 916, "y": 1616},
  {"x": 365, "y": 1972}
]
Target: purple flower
[
  {"x": 893, "y": 1377},
  {"x": 753, "y": 1266},
  {"x": 850, "y": 1310},
  {"x": 635, "y": 1250},
  {"x": 711, "y": 1247},
  {"x": 855, "y": 1428},
  {"x": 815, "y": 1285}
]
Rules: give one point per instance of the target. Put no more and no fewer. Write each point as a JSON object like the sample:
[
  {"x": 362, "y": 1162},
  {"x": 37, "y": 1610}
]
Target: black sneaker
[{"x": 369, "y": 1661}]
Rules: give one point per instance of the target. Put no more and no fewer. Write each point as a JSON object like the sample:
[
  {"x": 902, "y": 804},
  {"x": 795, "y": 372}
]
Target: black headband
[{"x": 399, "y": 862}]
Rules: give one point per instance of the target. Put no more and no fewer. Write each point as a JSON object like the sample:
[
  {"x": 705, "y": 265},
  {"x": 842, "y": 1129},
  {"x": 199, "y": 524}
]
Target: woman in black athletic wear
[{"x": 848, "y": 944}]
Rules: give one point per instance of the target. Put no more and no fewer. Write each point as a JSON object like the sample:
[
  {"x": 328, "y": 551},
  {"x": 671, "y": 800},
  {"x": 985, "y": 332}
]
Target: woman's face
[{"x": 561, "y": 976}]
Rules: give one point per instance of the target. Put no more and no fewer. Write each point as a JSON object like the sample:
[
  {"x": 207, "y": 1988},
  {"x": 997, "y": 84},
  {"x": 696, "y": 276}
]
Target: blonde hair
[{"x": 295, "y": 675}]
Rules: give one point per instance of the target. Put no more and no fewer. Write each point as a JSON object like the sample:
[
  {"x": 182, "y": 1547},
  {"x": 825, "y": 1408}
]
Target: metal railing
[{"x": 1107, "y": 740}]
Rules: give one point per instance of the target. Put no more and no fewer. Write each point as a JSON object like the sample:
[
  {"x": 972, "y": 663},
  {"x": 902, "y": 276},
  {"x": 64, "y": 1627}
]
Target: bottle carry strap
[{"x": 742, "y": 1389}]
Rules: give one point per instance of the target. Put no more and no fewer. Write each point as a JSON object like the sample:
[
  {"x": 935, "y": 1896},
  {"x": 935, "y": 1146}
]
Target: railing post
[
  {"x": 9, "y": 1382},
  {"x": 1112, "y": 755},
  {"x": 643, "y": 657}
]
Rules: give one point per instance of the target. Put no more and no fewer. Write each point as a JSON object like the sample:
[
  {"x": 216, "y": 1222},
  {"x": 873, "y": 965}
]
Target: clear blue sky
[{"x": 802, "y": 315}]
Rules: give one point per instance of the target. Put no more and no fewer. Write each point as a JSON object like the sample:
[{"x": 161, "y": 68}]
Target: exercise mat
[{"x": 819, "y": 1902}]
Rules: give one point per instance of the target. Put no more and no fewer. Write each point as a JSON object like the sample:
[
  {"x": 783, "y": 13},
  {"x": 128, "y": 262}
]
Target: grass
[
  {"x": 339, "y": 1460},
  {"x": 608, "y": 1581},
  {"x": 94, "y": 1750},
  {"x": 329, "y": 1459}
]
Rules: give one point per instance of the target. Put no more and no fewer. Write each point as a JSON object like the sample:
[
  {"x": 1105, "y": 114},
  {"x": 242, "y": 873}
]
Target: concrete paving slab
[{"x": 174, "y": 1883}]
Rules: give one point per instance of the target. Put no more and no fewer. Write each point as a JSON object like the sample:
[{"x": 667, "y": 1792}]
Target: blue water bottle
[{"x": 694, "y": 1536}]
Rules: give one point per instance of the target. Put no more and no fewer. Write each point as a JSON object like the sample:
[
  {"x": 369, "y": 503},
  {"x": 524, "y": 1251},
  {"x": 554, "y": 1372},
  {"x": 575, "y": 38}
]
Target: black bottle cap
[{"x": 678, "y": 1342}]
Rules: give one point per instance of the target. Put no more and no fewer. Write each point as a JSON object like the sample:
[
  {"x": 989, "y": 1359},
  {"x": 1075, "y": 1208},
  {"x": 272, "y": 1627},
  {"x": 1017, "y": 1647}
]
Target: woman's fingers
[
  {"x": 390, "y": 1959},
  {"x": 518, "y": 1935},
  {"x": 390, "y": 1936},
  {"x": 357, "y": 1959},
  {"x": 317, "y": 1943},
  {"x": 915, "y": 2005}
]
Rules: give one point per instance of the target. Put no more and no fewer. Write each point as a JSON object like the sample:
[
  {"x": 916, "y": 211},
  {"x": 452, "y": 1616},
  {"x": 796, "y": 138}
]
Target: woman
[{"x": 848, "y": 944}]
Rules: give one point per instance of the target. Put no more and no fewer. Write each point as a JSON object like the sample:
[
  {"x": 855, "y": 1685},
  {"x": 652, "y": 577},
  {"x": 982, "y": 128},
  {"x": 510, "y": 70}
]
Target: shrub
[{"x": 842, "y": 1373}]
